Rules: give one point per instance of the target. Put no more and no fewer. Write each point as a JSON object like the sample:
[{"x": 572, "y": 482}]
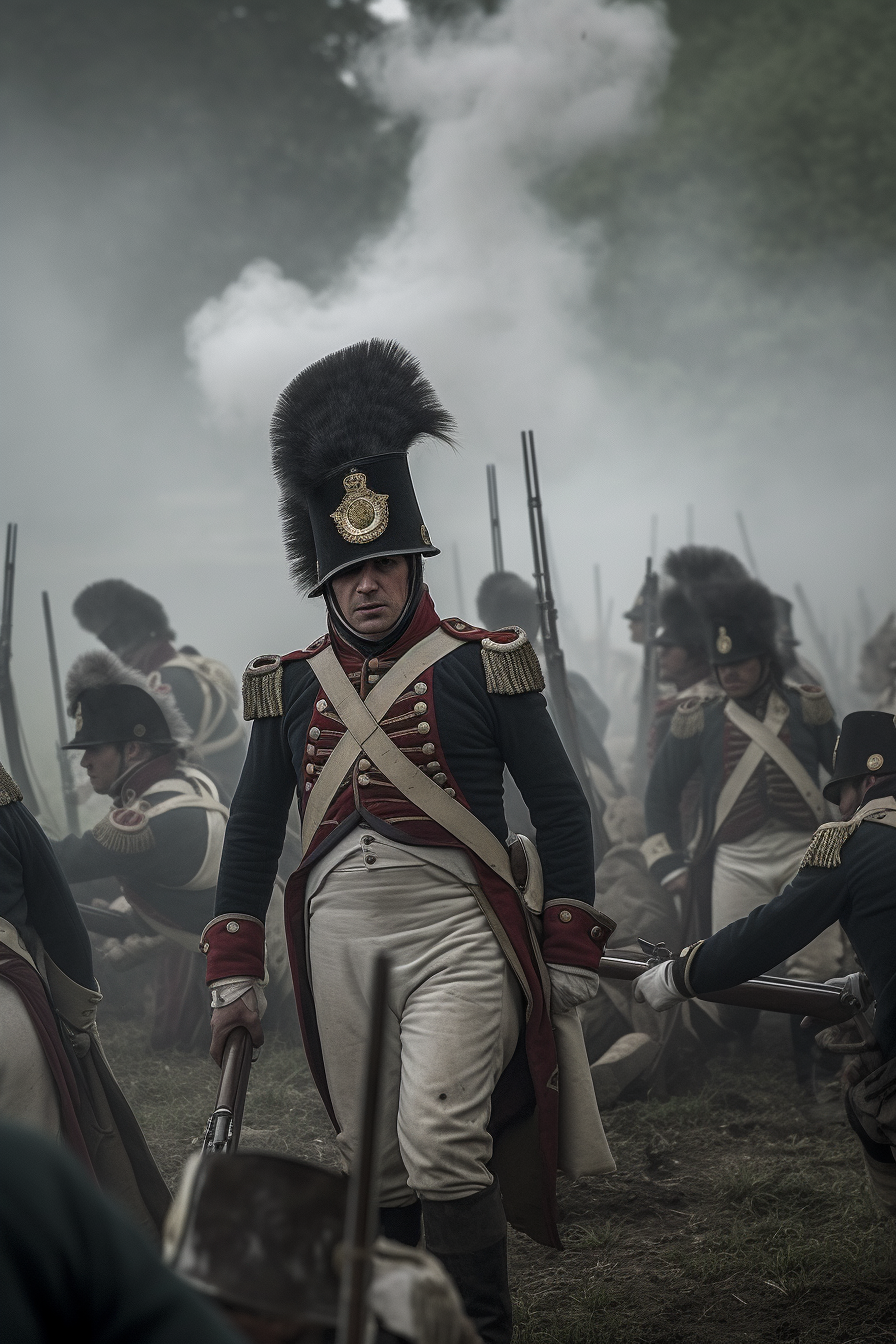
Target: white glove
[
  {"x": 412, "y": 1296},
  {"x": 570, "y": 986},
  {"x": 857, "y": 986},
  {"x": 236, "y": 987},
  {"x": 657, "y": 988}
]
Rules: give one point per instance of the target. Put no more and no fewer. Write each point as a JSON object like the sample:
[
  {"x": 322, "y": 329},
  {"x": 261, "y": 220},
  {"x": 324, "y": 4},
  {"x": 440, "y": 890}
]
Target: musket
[
  {"x": 361, "y": 1214},
  {"x": 69, "y": 793},
  {"x": 808, "y": 998},
  {"x": 828, "y": 661},
  {"x": 647, "y": 701},
  {"x": 555, "y": 665},
  {"x": 222, "y": 1133},
  {"x": 8, "y": 710},
  {"x": 107, "y": 923},
  {"x": 494, "y": 519}
]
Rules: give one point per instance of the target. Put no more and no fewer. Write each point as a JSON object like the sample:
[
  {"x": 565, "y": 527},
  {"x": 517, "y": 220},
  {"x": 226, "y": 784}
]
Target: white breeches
[
  {"x": 454, "y": 1010},
  {"x": 753, "y": 871},
  {"x": 27, "y": 1091}
]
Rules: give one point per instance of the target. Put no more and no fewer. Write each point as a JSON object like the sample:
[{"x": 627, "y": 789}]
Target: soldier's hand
[
  {"x": 657, "y": 988},
  {"x": 241, "y": 1013}
]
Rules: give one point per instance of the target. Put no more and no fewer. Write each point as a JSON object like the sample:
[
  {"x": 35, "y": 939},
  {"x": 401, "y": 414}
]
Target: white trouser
[
  {"x": 454, "y": 1009},
  {"x": 751, "y": 872},
  {"x": 28, "y": 1093}
]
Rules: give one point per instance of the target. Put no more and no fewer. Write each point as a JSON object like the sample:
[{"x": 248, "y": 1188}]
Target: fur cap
[
  {"x": 99, "y": 670},
  {"x": 506, "y": 599},
  {"x": 690, "y": 565},
  {"x": 740, "y": 620},
  {"x": 120, "y": 615}
]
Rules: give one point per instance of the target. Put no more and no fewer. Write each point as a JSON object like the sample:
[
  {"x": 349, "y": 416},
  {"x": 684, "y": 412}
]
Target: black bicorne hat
[
  {"x": 866, "y": 746},
  {"x": 110, "y": 702},
  {"x": 340, "y": 434},
  {"x": 739, "y": 620},
  {"x": 120, "y": 615}
]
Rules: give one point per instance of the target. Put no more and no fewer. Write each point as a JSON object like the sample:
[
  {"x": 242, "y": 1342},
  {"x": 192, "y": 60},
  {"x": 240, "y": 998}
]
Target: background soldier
[
  {"x": 846, "y": 875},
  {"x": 49, "y": 1081},
  {"x": 133, "y": 624},
  {"x": 404, "y": 844},
  {"x": 162, "y": 838},
  {"x": 759, "y": 749}
]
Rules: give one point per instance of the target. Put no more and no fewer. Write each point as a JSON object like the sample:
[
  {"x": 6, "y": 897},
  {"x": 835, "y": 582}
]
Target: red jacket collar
[
  {"x": 425, "y": 620},
  {"x": 132, "y": 786}
]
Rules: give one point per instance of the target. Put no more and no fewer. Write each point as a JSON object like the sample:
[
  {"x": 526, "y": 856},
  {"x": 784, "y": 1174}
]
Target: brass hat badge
[
  {"x": 723, "y": 642},
  {"x": 363, "y": 515},
  {"x": 874, "y": 761}
]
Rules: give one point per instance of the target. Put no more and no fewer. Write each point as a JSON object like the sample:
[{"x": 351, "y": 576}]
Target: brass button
[
  {"x": 366, "y": 839},
  {"x": 314, "y": 734},
  {"x": 311, "y": 751},
  {"x": 370, "y": 859},
  {"x": 232, "y": 926},
  {"x": 321, "y": 706},
  {"x": 420, "y": 687},
  {"x": 307, "y": 787},
  {"x": 433, "y": 765},
  {"x": 363, "y": 779},
  {"x": 423, "y": 727},
  {"x": 440, "y": 778},
  {"x": 309, "y": 769},
  {"x": 373, "y": 664},
  {"x": 363, "y": 765},
  {"x": 449, "y": 793},
  {"x": 374, "y": 676},
  {"x": 428, "y": 749},
  {"x": 595, "y": 932},
  {"x": 565, "y": 917},
  {"x": 205, "y": 947},
  {"x": 420, "y": 707}
]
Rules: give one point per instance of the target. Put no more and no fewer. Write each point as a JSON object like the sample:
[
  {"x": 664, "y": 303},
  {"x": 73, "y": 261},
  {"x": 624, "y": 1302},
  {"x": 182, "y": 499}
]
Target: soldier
[
  {"x": 133, "y": 624},
  {"x": 758, "y": 748},
  {"x": 53, "y": 1074},
  {"x": 797, "y": 671},
  {"x": 404, "y": 838},
  {"x": 877, "y": 668},
  {"x": 162, "y": 838},
  {"x": 846, "y": 875}
]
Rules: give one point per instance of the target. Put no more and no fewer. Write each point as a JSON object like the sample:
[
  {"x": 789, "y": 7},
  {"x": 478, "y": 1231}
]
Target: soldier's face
[
  {"x": 741, "y": 679},
  {"x": 371, "y": 596},
  {"x": 103, "y": 765}
]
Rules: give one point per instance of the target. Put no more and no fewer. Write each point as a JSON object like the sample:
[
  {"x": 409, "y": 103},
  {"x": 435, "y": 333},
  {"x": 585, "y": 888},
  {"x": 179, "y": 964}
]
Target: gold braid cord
[
  {"x": 9, "y": 789},
  {"x": 688, "y": 719},
  {"x": 124, "y": 832},
  {"x": 263, "y": 688},
  {"x": 511, "y": 669},
  {"x": 816, "y": 705},
  {"x": 827, "y": 842}
]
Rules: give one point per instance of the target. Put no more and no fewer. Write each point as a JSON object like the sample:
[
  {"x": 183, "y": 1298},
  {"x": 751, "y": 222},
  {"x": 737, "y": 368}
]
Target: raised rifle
[
  {"x": 494, "y": 519},
  {"x": 555, "y": 664},
  {"x": 69, "y": 793},
  {"x": 768, "y": 992},
  {"x": 222, "y": 1133},
  {"x": 647, "y": 699},
  {"x": 8, "y": 710}
]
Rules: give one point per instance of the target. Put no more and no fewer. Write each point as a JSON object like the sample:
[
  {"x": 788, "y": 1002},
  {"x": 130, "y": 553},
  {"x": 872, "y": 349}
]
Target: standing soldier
[
  {"x": 758, "y": 749},
  {"x": 162, "y": 838},
  {"x": 396, "y": 727},
  {"x": 133, "y": 624}
]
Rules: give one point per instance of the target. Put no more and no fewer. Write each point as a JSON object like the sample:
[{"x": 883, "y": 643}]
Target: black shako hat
[
  {"x": 739, "y": 616},
  {"x": 340, "y": 435},
  {"x": 120, "y": 615},
  {"x": 866, "y": 746},
  {"x": 110, "y": 702}
]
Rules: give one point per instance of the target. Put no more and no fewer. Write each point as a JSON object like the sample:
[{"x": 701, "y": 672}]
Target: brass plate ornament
[
  {"x": 874, "y": 761},
  {"x": 723, "y": 642},
  {"x": 363, "y": 515}
]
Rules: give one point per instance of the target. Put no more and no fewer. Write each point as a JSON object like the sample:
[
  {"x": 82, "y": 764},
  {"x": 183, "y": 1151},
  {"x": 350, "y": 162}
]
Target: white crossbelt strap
[
  {"x": 363, "y": 733},
  {"x": 764, "y": 741}
]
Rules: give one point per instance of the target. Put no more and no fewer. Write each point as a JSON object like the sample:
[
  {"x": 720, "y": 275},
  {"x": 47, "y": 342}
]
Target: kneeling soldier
[{"x": 847, "y": 876}]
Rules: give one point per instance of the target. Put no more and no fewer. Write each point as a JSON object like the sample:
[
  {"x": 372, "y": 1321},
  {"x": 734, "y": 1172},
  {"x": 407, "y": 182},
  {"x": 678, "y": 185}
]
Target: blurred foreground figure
[
  {"x": 877, "y": 672},
  {"x": 53, "y": 1074},
  {"x": 162, "y": 838},
  {"x": 846, "y": 875},
  {"x": 758, "y": 749},
  {"x": 133, "y": 624},
  {"x": 261, "y": 1236},
  {"x": 73, "y": 1267},
  {"x": 404, "y": 848}
]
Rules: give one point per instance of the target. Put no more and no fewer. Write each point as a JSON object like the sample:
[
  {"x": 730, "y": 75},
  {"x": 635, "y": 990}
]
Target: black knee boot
[
  {"x": 469, "y": 1236},
  {"x": 402, "y": 1224}
]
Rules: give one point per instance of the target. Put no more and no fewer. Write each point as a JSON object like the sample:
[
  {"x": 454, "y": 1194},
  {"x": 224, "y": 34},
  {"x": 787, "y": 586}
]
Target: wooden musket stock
[
  {"x": 222, "y": 1134},
  {"x": 769, "y": 992}
]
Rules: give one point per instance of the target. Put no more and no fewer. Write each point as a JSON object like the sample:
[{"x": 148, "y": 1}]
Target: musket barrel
[
  {"x": 69, "y": 797},
  {"x": 226, "y": 1121}
]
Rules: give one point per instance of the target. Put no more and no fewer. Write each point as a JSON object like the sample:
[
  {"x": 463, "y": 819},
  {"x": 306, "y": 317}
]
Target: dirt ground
[{"x": 738, "y": 1212}]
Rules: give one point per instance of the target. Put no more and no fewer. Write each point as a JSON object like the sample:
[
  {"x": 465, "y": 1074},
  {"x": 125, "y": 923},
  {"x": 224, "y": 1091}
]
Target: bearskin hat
[
  {"x": 691, "y": 565},
  {"x": 506, "y": 599},
  {"x": 111, "y": 702},
  {"x": 681, "y": 622},
  {"x": 350, "y": 416},
  {"x": 120, "y": 615},
  {"x": 740, "y": 620}
]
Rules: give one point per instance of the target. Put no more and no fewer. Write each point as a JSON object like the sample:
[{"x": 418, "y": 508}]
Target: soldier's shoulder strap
[
  {"x": 827, "y": 842},
  {"x": 510, "y": 663},
  {"x": 689, "y": 718},
  {"x": 263, "y": 680},
  {"x": 816, "y": 706},
  {"x": 9, "y": 789}
]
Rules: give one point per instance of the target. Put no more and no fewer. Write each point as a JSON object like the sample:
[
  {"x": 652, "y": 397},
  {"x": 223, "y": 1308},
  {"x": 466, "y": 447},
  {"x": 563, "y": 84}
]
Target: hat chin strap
[{"x": 372, "y": 648}]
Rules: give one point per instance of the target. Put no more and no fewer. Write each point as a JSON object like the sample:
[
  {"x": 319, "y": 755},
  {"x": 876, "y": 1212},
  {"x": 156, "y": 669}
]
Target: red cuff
[
  {"x": 575, "y": 934},
  {"x": 233, "y": 945}
]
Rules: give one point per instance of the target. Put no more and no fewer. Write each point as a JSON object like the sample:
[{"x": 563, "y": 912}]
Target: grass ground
[{"x": 738, "y": 1212}]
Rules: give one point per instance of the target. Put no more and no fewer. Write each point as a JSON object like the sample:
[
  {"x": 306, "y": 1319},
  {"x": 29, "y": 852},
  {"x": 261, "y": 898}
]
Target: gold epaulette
[
  {"x": 511, "y": 669},
  {"x": 688, "y": 719},
  {"x": 263, "y": 688},
  {"x": 827, "y": 842},
  {"x": 124, "y": 830},
  {"x": 9, "y": 789},
  {"x": 817, "y": 707}
]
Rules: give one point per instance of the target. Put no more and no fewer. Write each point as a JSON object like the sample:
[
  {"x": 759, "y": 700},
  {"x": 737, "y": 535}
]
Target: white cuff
[{"x": 224, "y": 992}]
